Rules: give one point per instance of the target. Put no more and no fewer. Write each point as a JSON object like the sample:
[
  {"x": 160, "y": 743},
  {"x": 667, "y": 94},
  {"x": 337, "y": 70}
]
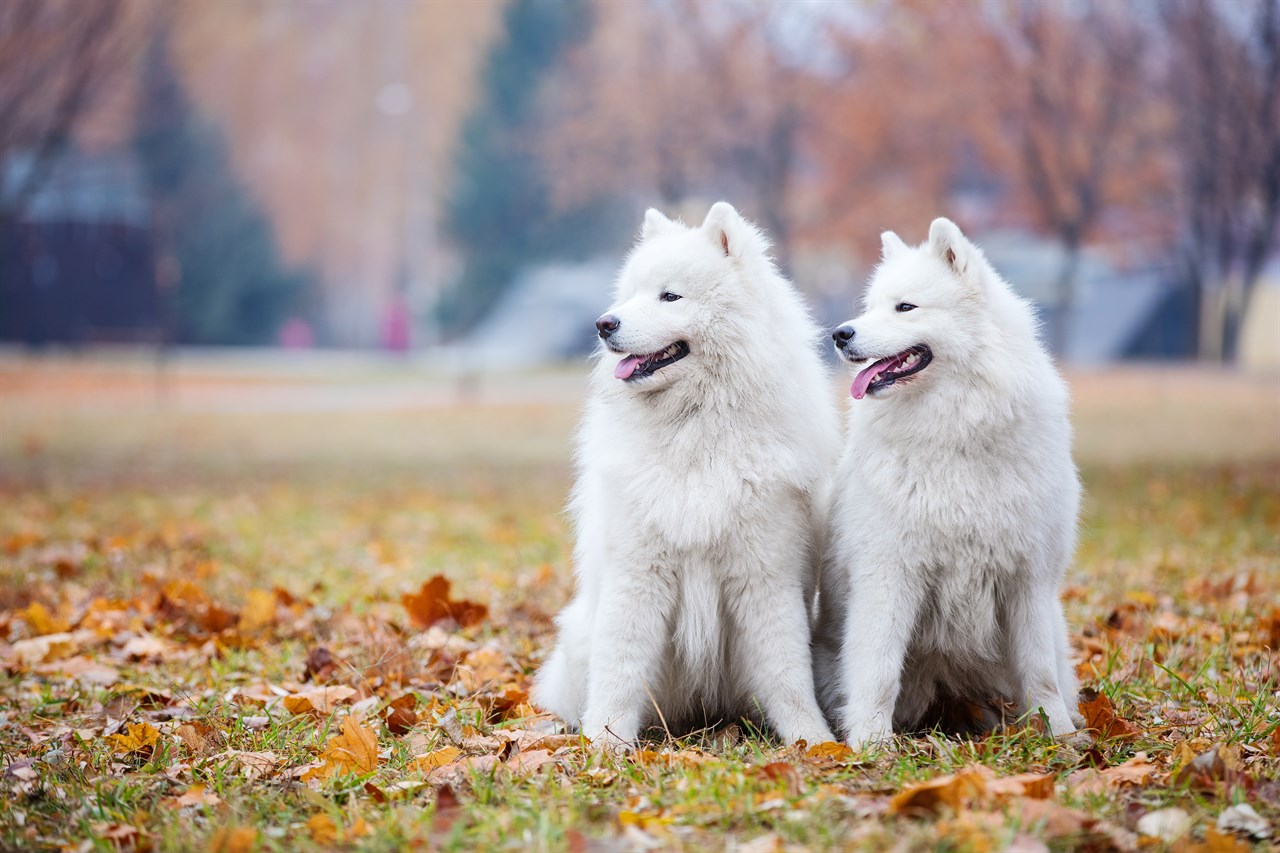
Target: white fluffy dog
[
  {"x": 954, "y": 510},
  {"x": 708, "y": 436}
]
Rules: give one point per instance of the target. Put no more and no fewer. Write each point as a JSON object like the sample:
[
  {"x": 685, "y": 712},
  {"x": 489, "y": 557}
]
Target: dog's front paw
[
  {"x": 861, "y": 733},
  {"x": 609, "y": 738}
]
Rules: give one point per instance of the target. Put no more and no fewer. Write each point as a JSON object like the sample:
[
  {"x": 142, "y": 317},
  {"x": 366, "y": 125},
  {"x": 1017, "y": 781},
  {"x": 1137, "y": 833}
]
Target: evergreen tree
[
  {"x": 230, "y": 284},
  {"x": 499, "y": 212}
]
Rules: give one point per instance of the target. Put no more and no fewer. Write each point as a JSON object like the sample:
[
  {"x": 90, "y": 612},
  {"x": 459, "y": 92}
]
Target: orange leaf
[
  {"x": 236, "y": 839},
  {"x": 354, "y": 750},
  {"x": 1100, "y": 715},
  {"x": 139, "y": 737},
  {"x": 41, "y": 621},
  {"x": 196, "y": 795},
  {"x": 259, "y": 610},
  {"x": 954, "y": 790},
  {"x": 322, "y": 828},
  {"x": 431, "y": 604},
  {"x": 436, "y": 758}
]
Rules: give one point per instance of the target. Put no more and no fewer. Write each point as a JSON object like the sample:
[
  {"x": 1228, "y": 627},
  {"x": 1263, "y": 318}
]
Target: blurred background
[{"x": 427, "y": 178}]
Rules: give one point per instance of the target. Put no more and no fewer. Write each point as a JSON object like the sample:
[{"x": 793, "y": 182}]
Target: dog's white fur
[
  {"x": 698, "y": 499},
  {"x": 954, "y": 509}
]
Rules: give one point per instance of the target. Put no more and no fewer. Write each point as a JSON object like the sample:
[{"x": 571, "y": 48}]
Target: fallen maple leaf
[
  {"x": 138, "y": 737},
  {"x": 436, "y": 758},
  {"x": 321, "y": 700},
  {"x": 196, "y": 736},
  {"x": 432, "y": 604},
  {"x": 354, "y": 750},
  {"x": 1100, "y": 715}
]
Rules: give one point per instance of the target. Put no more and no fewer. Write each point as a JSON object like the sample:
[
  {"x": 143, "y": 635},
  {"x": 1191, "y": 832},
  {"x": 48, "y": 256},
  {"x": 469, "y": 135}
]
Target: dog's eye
[
  {"x": 903, "y": 307},
  {"x": 668, "y": 296}
]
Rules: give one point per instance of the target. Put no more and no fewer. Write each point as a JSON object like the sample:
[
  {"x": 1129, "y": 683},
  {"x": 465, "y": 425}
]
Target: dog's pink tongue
[
  {"x": 627, "y": 366},
  {"x": 863, "y": 380}
]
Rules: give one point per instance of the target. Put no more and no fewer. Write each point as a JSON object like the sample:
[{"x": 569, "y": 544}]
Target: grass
[{"x": 345, "y": 491}]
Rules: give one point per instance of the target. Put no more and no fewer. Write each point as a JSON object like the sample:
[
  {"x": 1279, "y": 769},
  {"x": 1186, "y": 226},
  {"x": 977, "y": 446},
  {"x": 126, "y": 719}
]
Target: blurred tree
[
  {"x": 1078, "y": 121},
  {"x": 57, "y": 58},
  {"x": 675, "y": 99},
  {"x": 499, "y": 211},
  {"x": 1224, "y": 81},
  {"x": 217, "y": 261}
]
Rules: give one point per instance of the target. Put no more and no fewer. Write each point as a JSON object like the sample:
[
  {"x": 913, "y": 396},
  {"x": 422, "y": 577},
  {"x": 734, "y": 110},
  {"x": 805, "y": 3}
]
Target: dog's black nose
[
  {"x": 842, "y": 335},
  {"x": 608, "y": 324}
]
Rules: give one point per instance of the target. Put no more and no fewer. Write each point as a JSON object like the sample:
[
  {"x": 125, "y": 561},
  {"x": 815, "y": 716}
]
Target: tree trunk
[{"x": 1065, "y": 291}]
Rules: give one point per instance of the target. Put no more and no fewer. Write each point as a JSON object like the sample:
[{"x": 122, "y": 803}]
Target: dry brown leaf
[
  {"x": 1135, "y": 771},
  {"x": 954, "y": 790},
  {"x": 483, "y": 667},
  {"x": 1216, "y": 842},
  {"x": 82, "y": 669},
  {"x": 235, "y": 839},
  {"x": 321, "y": 700},
  {"x": 322, "y": 829},
  {"x": 196, "y": 795},
  {"x": 138, "y": 737},
  {"x": 1035, "y": 786},
  {"x": 401, "y": 714},
  {"x": 28, "y": 653},
  {"x": 436, "y": 758},
  {"x": 354, "y": 750},
  {"x": 197, "y": 737},
  {"x": 1100, "y": 715},
  {"x": 783, "y": 772},
  {"x": 259, "y": 610},
  {"x": 41, "y": 621},
  {"x": 831, "y": 751},
  {"x": 432, "y": 604},
  {"x": 531, "y": 761},
  {"x": 122, "y": 836},
  {"x": 253, "y": 765},
  {"x": 320, "y": 665}
]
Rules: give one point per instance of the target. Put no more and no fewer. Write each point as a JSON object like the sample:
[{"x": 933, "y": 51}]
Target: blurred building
[{"x": 76, "y": 266}]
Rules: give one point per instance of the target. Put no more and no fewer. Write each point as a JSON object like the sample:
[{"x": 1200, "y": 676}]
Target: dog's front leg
[
  {"x": 773, "y": 640},
  {"x": 882, "y": 617},
  {"x": 632, "y": 632},
  {"x": 1035, "y": 618}
]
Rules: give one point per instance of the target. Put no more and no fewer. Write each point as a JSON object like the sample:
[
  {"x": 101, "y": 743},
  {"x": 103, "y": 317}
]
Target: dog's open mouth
[
  {"x": 635, "y": 367},
  {"x": 886, "y": 371}
]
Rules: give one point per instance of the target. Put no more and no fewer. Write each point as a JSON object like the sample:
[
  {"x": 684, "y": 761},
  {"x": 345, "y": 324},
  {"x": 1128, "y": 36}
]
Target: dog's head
[
  {"x": 677, "y": 296},
  {"x": 923, "y": 313}
]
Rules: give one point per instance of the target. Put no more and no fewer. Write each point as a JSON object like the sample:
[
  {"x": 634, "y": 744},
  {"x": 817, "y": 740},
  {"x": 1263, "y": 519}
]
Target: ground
[{"x": 225, "y": 624}]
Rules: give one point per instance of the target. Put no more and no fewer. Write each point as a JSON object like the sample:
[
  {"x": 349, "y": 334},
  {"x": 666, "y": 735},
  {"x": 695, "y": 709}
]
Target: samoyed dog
[
  {"x": 708, "y": 437},
  {"x": 954, "y": 509}
]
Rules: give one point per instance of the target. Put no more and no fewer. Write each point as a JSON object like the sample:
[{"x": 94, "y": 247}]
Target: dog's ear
[
  {"x": 890, "y": 245},
  {"x": 726, "y": 229},
  {"x": 951, "y": 246},
  {"x": 655, "y": 223}
]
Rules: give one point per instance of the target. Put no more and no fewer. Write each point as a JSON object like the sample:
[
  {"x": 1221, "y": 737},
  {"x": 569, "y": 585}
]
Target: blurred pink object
[
  {"x": 395, "y": 325},
  {"x": 296, "y": 334}
]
